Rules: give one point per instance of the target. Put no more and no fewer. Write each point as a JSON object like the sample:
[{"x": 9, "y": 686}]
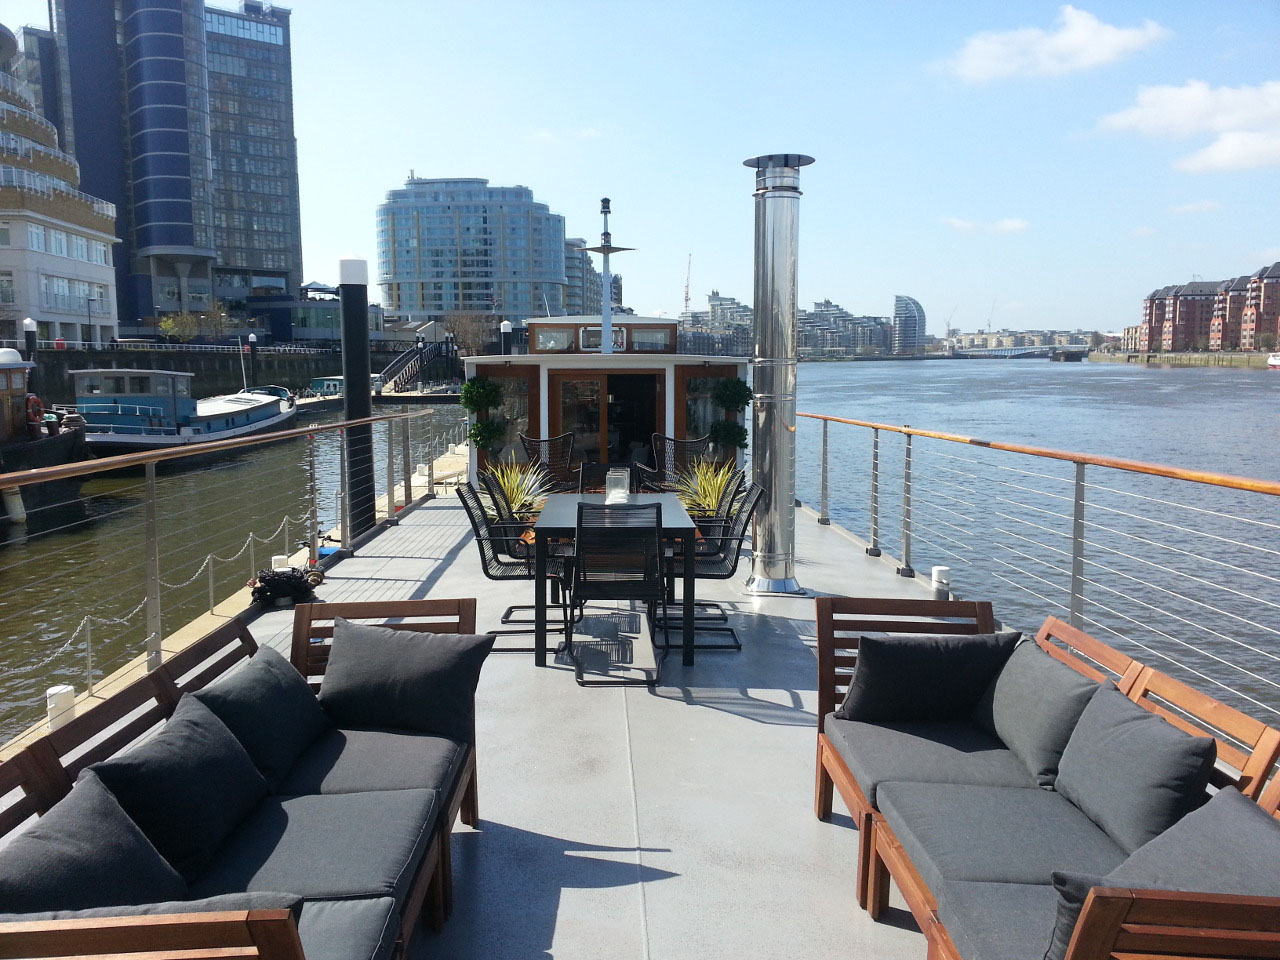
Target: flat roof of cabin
[{"x": 126, "y": 370}]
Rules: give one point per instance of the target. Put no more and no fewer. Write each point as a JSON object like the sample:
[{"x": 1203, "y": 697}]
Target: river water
[
  {"x": 48, "y": 583},
  {"x": 1181, "y": 575}
]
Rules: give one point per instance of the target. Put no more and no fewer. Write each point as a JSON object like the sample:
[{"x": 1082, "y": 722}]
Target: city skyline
[{"x": 976, "y": 157}]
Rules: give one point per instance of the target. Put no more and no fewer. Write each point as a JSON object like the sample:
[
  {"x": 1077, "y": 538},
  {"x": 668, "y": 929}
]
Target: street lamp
[
  {"x": 88, "y": 313},
  {"x": 505, "y": 330}
]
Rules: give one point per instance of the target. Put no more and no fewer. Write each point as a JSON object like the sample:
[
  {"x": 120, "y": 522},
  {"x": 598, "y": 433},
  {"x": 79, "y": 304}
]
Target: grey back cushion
[
  {"x": 187, "y": 787},
  {"x": 263, "y": 900},
  {"x": 380, "y": 677},
  {"x": 1131, "y": 772},
  {"x": 1230, "y": 845},
  {"x": 271, "y": 710},
  {"x": 1032, "y": 705},
  {"x": 900, "y": 677},
  {"x": 85, "y": 852}
]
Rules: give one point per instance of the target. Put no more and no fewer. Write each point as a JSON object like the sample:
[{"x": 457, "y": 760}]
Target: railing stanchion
[
  {"x": 288, "y": 550},
  {"x": 213, "y": 601},
  {"x": 344, "y": 494},
  {"x": 406, "y": 460},
  {"x": 1077, "y": 551},
  {"x": 154, "y": 627},
  {"x": 391, "y": 471},
  {"x": 314, "y": 539},
  {"x": 253, "y": 561},
  {"x": 824, "y": 514},
  {"x": 905, "y": 570},
  {"x": 874, "y": 549},
  {"x": 88, "y": 656}
]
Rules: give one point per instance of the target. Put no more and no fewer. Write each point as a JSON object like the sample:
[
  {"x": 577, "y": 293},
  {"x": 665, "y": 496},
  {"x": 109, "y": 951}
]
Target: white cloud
[
  {"x": 588, "y": 133},
  {"x": 1006, "y": 225},
  {"x": 1197, "y": 206},
  {"x": 1244, "y": 122},
  {"x": 1143, "y": 232},
  {"x": 542, "y": 135},
  {"x": 1079, "y": 41}
]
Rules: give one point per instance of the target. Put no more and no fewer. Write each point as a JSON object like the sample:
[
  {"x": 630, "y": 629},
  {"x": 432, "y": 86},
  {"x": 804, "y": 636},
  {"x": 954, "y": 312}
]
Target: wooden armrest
[
  {"x": 248, "y": 934},
  {"x": 1160, "y": 924}
]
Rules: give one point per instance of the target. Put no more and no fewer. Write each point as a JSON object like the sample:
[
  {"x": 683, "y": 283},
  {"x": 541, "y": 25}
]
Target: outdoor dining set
[{"x": 586, "y": 532}]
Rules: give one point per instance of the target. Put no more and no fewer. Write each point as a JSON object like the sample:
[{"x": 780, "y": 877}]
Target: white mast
[{"x": 606, "y": 280}]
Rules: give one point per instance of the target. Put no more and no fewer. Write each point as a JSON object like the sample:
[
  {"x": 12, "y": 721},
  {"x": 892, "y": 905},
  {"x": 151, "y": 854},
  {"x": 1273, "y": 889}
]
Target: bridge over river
[{"x": 1069, "y": 352}]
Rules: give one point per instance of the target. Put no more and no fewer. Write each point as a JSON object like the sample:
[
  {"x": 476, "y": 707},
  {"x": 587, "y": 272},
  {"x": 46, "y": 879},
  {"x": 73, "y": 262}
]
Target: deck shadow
[{"x": 508, "y": 884}]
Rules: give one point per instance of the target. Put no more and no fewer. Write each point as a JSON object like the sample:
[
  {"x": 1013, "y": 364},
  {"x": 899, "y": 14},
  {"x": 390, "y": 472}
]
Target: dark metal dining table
[{"x": 559, "y": 519}]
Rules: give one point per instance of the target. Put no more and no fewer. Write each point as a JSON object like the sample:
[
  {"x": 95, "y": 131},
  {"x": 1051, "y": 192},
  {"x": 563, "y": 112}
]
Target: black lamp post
[
  {"x": 29, "y": 329},
  {"x": 353, "y": 291}
]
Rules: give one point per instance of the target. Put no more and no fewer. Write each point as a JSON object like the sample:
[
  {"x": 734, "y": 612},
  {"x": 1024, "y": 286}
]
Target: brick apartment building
[
  {"x": 1261, "y": 314},
  {"x": 1216, "y": 315},
  {"x": 1228, "y": 307}
]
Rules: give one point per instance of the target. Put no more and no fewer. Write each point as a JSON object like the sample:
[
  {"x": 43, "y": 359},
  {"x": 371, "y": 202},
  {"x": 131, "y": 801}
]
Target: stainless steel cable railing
[{"x": 1179, "y": 564}]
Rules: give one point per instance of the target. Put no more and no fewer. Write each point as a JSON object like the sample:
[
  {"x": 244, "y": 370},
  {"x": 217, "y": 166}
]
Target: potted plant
[
  {"x": 479, "y": 396},
  {"x": 525, "y": 485},
  {"x": 731, "y": 394},
  {"x": 701, "y": 485}
]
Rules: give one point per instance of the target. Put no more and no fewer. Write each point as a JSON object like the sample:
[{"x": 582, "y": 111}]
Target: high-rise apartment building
[
  {"x": 1260, "y": 318},
  {"x": 1228, "y": 307},
  {"x": 55, "y": 241},
  {"x": 582, "y": 280},
  {"x": 182, "y": 116},
  {"x": 460, "y": 246},
  {"x": 908, "y": 325}
]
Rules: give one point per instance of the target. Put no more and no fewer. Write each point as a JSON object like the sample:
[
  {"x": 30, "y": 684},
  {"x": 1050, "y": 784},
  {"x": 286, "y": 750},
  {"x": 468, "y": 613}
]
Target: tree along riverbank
[{"x": 1250, "y": 359}]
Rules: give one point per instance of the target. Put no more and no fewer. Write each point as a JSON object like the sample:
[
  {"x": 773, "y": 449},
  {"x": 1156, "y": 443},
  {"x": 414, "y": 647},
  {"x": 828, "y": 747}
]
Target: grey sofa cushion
[
  {"x": 353, "y": 761},
  {"x": 265, "y": 900},
  {"x": 327, "y": 847},
  {"x": 397, "y": 679},
  {"x": 1032, "y": 705},
  {"x": 923, "y": 676},
  {"x": 1230, "y": 845},
  {"x": 923, "y": 751},
  {"x": 995, "y": 834},
  {"x": 1071, "y": 890},
  {"x": 1132, "y": 772},
  {"x": 187, "y": 787},
  {"x": 364, "y": 929},
  {"x": 997, "y": 921},
  {"x": 84, "y": 852},
  {"x": 270, "y": 708}
]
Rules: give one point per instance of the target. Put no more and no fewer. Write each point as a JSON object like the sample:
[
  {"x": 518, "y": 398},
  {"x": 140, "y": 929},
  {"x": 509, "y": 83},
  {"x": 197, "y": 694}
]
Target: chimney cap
[{"x": 778, "y": 160}]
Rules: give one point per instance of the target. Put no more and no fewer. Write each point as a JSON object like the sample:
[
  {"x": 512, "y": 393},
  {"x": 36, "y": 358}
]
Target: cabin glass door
[{"x": 581, "y": 413}]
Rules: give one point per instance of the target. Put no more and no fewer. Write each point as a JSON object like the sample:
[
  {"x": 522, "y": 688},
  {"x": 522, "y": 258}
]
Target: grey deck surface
[{"x": 629, "y": 823}]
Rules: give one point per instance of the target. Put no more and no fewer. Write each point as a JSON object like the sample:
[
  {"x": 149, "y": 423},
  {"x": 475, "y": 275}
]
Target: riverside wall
[
  {"x": 215, "y": 373},
  {"x": 1221, "y": 359}
]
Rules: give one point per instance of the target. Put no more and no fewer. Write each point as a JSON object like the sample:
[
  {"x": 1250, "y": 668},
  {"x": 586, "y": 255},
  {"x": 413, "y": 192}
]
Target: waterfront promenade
[{"x": 635, "y": 823}]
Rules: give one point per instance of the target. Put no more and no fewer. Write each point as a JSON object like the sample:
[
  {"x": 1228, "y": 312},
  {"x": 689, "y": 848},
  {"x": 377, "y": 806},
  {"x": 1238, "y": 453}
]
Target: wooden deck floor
[{"x": 627, "y": 823}]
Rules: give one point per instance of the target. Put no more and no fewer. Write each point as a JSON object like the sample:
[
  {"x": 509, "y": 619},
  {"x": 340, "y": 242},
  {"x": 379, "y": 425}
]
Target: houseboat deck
[{"x": 626, "y": 822}]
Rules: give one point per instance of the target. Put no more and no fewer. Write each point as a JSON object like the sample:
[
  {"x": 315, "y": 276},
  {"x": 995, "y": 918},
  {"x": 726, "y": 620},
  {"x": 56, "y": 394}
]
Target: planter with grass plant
[
  {"x": 701, "y": 485},
  {"x": 525, "y": 485}
]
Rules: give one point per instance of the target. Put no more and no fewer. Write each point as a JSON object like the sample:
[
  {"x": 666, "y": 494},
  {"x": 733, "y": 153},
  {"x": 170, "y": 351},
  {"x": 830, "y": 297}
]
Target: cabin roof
[
  {"x": 117, "y": 370},
  {"x": 585, "y": 320}
]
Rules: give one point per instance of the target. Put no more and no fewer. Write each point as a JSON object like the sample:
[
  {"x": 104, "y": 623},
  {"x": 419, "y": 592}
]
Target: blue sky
[{"x": 1055, "y": 162}]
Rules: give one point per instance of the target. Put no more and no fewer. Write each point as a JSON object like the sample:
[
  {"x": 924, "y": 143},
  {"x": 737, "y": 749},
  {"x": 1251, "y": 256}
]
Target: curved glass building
[{"x": 908, "y": 325}]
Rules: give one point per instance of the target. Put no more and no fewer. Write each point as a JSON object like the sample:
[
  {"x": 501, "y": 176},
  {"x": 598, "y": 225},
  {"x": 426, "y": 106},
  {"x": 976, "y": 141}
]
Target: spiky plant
[
  {"x": 526, "y": 485},
  {"x": 701, "y": 484}
]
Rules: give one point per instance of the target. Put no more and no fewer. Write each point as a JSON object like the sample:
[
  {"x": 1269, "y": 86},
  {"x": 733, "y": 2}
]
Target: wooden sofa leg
[
  {"x": 471, "y": 802},
  {"x": 434, "y": 910},
  {"x": 823, "y": 789},
  {"x": 444, "y": 878},
  {"x": 865, "y": 854},
  {"x": 877, "y": 880}
]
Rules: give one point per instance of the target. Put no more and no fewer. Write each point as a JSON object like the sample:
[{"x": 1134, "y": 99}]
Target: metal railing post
[
  {"x": 154, "y": 627},
  {"x": 406, "y": 460},
  {"x": 391, "y": 471},
  {"x": 905, "y": 570},
  {"x": 1076, "y": 618},
  {"x": 874, "y": 549},
  {"x": 253, "y": 562},
  {"x": 288, "y": 550},
  {"x": 824, "y": 514},
  {"x": 212, "y": 598},
  {"x": 314, "y": 539},
  {"x": 88, "y": 656},
  {"x": 344, "y": 494}
]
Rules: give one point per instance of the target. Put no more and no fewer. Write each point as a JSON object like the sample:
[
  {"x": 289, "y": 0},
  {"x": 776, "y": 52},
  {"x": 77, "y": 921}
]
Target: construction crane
[{"x": 688, "y": 275}]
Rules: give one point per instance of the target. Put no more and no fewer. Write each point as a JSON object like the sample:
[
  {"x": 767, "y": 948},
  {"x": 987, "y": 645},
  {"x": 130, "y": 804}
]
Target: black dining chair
[
  {"x": 720, "y": 565},
  {"x": 618, "y": 556},
  {"x": 671, "y": 457},
  {"x": 505, "y": 555},
  {"x": 556, "y": 454}
]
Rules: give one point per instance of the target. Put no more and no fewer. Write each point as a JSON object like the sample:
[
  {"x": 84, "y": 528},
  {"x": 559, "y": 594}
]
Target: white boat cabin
[
  {"x": 612, "y": 403},
  {"x": 13, "y": 397}
]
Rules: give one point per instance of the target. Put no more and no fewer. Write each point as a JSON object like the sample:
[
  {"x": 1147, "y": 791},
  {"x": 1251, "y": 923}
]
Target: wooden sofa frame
[
  {"x": 1116, "y": 922},
  {"x": 42, "y": 773}
]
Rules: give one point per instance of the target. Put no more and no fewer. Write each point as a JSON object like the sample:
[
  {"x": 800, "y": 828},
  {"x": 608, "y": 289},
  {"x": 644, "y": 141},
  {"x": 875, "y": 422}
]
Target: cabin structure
[
  {"x": 612, "y": 403},
  {"x": 13, "y": 397}
]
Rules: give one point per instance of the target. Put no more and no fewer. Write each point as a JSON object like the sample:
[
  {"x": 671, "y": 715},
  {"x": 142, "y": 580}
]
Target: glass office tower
[
  {"x": 460, "y": 246},
  {"x": 908, "y": 325}
]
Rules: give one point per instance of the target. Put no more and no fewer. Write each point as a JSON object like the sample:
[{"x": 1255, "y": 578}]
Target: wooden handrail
[
  {"x": 1270, "y": 487},
  {"x": 21, "y": 478}
]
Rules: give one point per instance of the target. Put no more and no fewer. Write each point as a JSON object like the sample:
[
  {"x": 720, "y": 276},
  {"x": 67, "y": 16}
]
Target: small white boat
[{"x": 1273, "y": 361}]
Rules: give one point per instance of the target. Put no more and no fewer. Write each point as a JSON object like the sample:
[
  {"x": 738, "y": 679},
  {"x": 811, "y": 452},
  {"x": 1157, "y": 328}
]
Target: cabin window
[
  {"x": 656, "y": 340},
  {"x": 183, "y": 387},
  {"x": 554, "y": 339},
  {"x": 139, "y": 384},
  {"x": 115, "y": 385},
  {"x": 4, "y": 381},
  {"x": 90, "y": 386},
  {"x": 589, "y": 338},
  {"x": 160, "y": 385}
]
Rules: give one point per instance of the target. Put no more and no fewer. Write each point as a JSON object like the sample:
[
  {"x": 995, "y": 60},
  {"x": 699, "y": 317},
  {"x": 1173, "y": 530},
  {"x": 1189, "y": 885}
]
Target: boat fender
[
  {"x": 35, "y": 409},
  {"x": 11, "y": 500}
]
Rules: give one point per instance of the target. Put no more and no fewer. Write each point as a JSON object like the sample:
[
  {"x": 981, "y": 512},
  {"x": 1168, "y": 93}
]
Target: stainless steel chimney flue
[{"x": 773, "y": 442}]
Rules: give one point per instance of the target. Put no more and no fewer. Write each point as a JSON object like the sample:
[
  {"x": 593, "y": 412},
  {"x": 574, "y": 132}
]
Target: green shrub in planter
[
  {"x": 484, "y": 434},
  {"x": 480, "y": 394},
  {"x": 732, "y": 394},
  {"x": 727, "y": 434}
]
